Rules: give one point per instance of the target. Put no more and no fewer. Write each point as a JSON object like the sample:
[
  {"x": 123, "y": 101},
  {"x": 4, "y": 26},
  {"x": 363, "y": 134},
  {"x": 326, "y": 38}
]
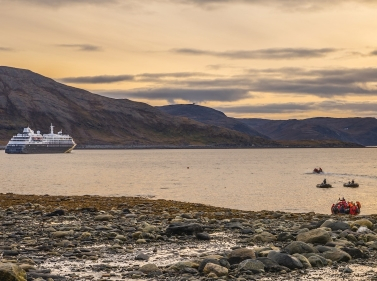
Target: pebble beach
[{"x": 45, "y": 237}]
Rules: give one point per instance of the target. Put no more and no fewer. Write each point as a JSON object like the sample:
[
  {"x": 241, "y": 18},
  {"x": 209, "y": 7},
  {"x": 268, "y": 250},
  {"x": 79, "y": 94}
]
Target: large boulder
[
  {"x": 299, "y": 247},
  {"x": 11, "y": 272},
  {"x": 150, "y": 269},
  {"x": 251, "y": 265},
  {"x": 179, "y": 266},
  {"x": 184, "y": 228},
  {"x": 315, "y": 236},
  {"x": 355, "y": 253},
  {"x": 272, "y": 266},
  {"x": 336, "y": 225},
  {"x": 337, "y": 255},
  {"x": 222, "y": 262},
  {"x": 234, "y": 225},
  {"x": 264, "y": 237},
  {"x": 303, "y": 260},
  {"x": 317, "y": 261},
  {"x": 104, "y": 217},
  {"x": 216, "y": 269},
  {"x": 238, "y": 255},
  {"x": 285, "y": 260},
  {"x": 285, "y": 236},
  {"x": 363, "y": 222}
]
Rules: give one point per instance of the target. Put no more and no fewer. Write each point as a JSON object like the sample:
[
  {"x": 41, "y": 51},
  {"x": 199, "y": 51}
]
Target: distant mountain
[
  {"x": 314, "y": 132},
  {"x": 357, "y": 130},
  {"x": 209, "y": 116},
  {"x": 27, "y": 98}
]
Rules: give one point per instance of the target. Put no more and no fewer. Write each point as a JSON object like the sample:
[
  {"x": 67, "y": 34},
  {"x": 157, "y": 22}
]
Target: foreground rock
[{"x": 11, "y": 272}]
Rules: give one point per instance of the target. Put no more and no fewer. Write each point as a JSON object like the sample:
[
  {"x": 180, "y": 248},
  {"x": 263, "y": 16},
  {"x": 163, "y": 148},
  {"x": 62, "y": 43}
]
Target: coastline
[
  {"x": 112, "y": 238},
  {"x": 142, "y": 147}
]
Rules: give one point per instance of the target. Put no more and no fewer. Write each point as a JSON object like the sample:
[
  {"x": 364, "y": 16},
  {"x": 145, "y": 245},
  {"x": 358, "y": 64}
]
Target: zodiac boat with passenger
[
  {"x": 324, "y": 185},
  {"x": 351, "y": 184},
  {"x": 342, "y": 207},
  {"x": 30, "y": 142},
  {"x": 318, "y": 170}
]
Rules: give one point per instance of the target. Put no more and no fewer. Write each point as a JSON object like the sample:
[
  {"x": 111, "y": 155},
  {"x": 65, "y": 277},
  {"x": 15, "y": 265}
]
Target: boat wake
[{"x": 349, "y": 175}]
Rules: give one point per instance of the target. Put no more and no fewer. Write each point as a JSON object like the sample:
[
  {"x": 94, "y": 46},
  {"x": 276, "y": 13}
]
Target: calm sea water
[{"x": 247, "y": 179}]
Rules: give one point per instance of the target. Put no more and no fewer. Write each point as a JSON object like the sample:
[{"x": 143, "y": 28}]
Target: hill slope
[
  {"x": 209, "y": 116},
  {"x": 27, "y": 98},
  {"x": 357, "y": 130}
]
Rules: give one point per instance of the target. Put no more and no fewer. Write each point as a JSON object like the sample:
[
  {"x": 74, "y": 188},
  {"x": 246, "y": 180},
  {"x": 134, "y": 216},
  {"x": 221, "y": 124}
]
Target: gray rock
[
  {"x": 285, "y": 236},
  {"x": 337, "y": 255},
  {"x": 142, "y": 256},
  {"x": 315, "y": 236},
  {"x": 241, "y": 254},
  {"x": 303, "y": 260},
  {"x": 104, "y": 217},
  {"x": 299, "y": 247},
  {"x": 336, "y": 225},
  {"x": 264, "y": 237},
  {"x": 272, "y": 266},
  {"x": 363, "y": 222},
  {"x": 255, "y": 266},
  {"x": 182, "y": 228},
  {"x": 55, "y": 213},
  {"x": 179, "y": 266},
  {"x": 247, "y": 231},
  {"x": 11, "y": 253},
  {"x": 150, "y": 269},
  {"x": 204, "y": 262},
  {"x": 216, "y": 269},
  {"x": 234, "y": 225},
  {"x": 285, "y": 260},
  {"x": 322, "y": 249},
  {"x": 355, "y": 253},
  {"x": 203, "y": 236},
  {"x": 61, "y": 234},
  {"x": 11, "y": 272},
  {"x": 317, "y": 261}
]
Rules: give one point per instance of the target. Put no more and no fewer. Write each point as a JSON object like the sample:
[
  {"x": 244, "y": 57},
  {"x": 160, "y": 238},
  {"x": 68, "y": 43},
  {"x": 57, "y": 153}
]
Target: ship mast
[{"x": 52, "y": 129}]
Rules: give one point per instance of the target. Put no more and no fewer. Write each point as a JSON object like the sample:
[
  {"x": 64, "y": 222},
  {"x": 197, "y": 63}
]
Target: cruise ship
[{"x": 30, "y": 142}]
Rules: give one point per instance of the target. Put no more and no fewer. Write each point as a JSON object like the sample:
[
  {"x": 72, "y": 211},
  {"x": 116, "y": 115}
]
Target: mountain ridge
[
  {"x": 27, "y": 98},
  {"x": 358, "y": 130}
]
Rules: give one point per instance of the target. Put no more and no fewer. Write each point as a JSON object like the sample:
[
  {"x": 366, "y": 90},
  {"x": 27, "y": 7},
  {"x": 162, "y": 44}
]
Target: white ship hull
[{"x": 30, "y": 143}]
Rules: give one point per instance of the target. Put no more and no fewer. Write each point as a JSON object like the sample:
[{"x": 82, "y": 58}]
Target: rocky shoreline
[{"x": 128, "y": 238}]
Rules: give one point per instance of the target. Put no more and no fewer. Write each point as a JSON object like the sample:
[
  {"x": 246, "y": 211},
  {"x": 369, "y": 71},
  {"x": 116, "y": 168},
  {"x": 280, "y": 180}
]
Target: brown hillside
[{"x": 27, "y": 98}]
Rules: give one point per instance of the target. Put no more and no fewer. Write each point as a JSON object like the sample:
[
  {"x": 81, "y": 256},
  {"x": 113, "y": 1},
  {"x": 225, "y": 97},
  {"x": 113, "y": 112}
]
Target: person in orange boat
[{"x": 358, "y": 204}]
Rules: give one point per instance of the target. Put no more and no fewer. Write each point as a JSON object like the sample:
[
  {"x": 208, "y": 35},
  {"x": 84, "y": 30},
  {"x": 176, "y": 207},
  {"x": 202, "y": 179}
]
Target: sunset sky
[{"x": 274, "y": 59}]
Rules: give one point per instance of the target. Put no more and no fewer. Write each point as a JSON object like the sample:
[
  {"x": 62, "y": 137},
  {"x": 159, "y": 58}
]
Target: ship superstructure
[{"x": 30, "y": 142}]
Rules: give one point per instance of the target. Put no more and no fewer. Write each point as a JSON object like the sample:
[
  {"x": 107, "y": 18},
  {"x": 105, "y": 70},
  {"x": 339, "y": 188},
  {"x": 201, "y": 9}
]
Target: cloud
[
  {"x": 81, "y": 47},
  {"x": 171, "y": 94},
  {"x": 97, "y": 79},
  {"x": 291, "y": 5},
  {"x": 173, "y": 75},
  {"x": 4, "y": 49},
  {"x": 269, "y": 54},
  {"x": 144, "y": 77},
  {"x": 59, "y": 3},
  {"x": 202, "y": 87},
  {"x": 374, "y": 53},
  {"x": 318, "y": 82}
]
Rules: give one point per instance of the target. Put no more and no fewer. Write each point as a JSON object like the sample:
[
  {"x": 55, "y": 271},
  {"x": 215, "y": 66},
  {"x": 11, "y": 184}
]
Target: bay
[{"x": 246, "y": 179}]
